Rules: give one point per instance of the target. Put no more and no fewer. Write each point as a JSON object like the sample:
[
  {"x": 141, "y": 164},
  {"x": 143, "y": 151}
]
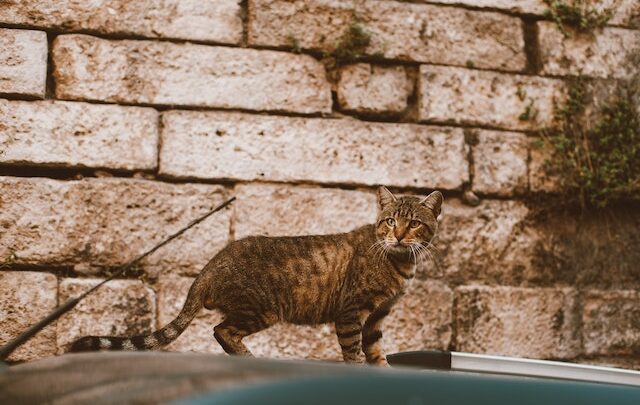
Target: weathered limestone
[
  {"x": 490, "y": 243},
  {"x": 90, "y": 68},
  {"x": 119, "y": 308},
  {"x": 23, "y": 62},
  {"x": 607, "y": 53},
  {"x": 421, "y": 320},
  {"x": 474, "y": 97},
  {"x": 500, "y": 163},
  {"x": 25, "y": 298},
  {"x": 215, "y": 145},
  {"x": 515, "y": 6},
  {"x": 590, "y": 251},
  {"x": 611, "y": 322},
  {"x": 38, "y": 221},
  {"x": 531, "y": 322},
  {"x": 106, "y": 222},
  {"x": 215, "y": 21},
  {"x": 541, "y": 179},
  {"x": 625, "y": 12},
  {"x": 78, "y": 134},
  {"x": 398, "y": 30},
  {"x": 280, "y": 210},
  {"x": 370, "y": 89}
]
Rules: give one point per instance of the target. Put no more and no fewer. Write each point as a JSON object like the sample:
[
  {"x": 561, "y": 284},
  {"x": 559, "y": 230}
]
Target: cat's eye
[
  {"x": 391, "y": 222},
  {"x": 414, "y": 224}
]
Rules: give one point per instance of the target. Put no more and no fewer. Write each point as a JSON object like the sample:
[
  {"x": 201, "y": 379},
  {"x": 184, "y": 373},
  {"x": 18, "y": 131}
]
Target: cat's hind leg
[{"x": 234, "y": 328}]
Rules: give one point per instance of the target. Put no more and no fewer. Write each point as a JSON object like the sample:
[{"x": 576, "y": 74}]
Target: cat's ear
[
  {"x": 434, "y": 202},
  {"x": 385, "y": 197}
]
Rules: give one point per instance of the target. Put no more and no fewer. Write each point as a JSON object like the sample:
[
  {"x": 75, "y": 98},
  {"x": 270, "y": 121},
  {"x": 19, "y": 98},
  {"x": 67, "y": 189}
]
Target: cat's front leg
[
  {"x": 372, "y": 334},
  {"x": 349, "y": 331}
]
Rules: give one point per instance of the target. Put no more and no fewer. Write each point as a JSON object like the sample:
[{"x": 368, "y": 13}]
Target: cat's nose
[{"x": 399, "y": 233}]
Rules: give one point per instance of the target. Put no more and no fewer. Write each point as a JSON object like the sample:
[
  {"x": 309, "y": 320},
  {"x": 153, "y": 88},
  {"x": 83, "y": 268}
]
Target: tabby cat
[{"x": 352, "y": 279}]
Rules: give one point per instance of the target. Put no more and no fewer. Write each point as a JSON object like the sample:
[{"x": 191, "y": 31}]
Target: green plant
[
  {"x": 598, "y": 163},
  {"x": 530, "y": 112},
  {"x": 352, "y": 44},
  {"x": 521, "y": 93},
  {"x": 579, "y": 14},
  {"x": 294, "y": 43},
  {"x": 9, "y": 259}
]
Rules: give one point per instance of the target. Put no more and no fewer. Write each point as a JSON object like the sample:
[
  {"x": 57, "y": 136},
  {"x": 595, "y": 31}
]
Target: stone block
[
  {"x": 524, "y": 322},
  {"x": 611, "y": 323},
  {"x": 606, "y": 53},
  {"x": 165, "y": 73},
  {"x": 421, "y": 320},
  {"x": 23, "y": 62},
  {"x": 220, "y": 145},
  {"x": 541, "y": 177},
  {"x": 370, "y": 89},
  {"x": 214, "y": 21},
  {"x": 514, "y": 6},
  {"x": 500, "y": 163},
  {"x": 490, "y": 243},
  {"x": 625, "y": 12},
  {"x": 281, "y": 210},
  {"x": 474, "y": 97},
  {"x": 97, "y": 223},
  {"x": 25, "y": 298},
  {"x": 397, "y": 30},
  {"x": 68, "y": 134}
]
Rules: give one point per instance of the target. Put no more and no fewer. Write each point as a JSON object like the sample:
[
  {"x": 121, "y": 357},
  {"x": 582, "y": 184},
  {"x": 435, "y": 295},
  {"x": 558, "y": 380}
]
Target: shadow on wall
[{"x": 598, "y": 249}]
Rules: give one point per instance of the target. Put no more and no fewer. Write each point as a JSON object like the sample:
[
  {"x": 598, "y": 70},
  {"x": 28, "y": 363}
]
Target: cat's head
[{"x": 408, "y": 221}]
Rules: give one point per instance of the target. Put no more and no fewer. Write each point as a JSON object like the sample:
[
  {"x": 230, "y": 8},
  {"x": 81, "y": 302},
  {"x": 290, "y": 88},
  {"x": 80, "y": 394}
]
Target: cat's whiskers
[
  {"x": 376, "y": 246},
  {"x": 430, "y": 250},
  {"x": 417, "y": 246},
  {"x": 380, "y": 251}
]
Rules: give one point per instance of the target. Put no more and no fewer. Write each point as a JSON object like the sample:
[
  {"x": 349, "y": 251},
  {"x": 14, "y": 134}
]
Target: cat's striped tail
[{"x": 155, "y": 340}]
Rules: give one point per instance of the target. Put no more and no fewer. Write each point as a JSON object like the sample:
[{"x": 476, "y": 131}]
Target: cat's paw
[{"x": 380, "y": 362}]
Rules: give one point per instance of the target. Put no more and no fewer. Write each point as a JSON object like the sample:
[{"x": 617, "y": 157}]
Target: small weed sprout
[
  {"x": 294, "y": 43},
  {"x": 579, "y": 14},
  {"x": 530, "y": 112},
  {"x": 352, "y": 44},
  {"x": 521, "y": 93},
  {"x": 9, "y": 259},
  {"x": 598, "y": 164}
]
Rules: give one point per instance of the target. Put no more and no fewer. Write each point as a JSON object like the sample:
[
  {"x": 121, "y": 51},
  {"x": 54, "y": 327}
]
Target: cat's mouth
[{"x": 399, "y": 246}]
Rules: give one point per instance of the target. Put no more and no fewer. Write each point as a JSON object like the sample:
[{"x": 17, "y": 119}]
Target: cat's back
[
  {"x": 274, "y": 249},
  {"x": 257, "y": 257}
]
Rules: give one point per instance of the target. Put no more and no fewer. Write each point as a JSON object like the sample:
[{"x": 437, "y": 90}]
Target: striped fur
[
  {"x": 352, "y": 279},
  {"x": 155, "y": 340}
]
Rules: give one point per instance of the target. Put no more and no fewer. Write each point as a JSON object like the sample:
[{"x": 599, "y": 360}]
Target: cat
[{"x": 352, "y": 279}]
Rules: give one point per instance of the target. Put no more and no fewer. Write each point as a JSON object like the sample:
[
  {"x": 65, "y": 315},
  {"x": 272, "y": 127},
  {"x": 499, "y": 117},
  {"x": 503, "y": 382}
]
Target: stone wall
[{"x": 121, "y": 121}]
